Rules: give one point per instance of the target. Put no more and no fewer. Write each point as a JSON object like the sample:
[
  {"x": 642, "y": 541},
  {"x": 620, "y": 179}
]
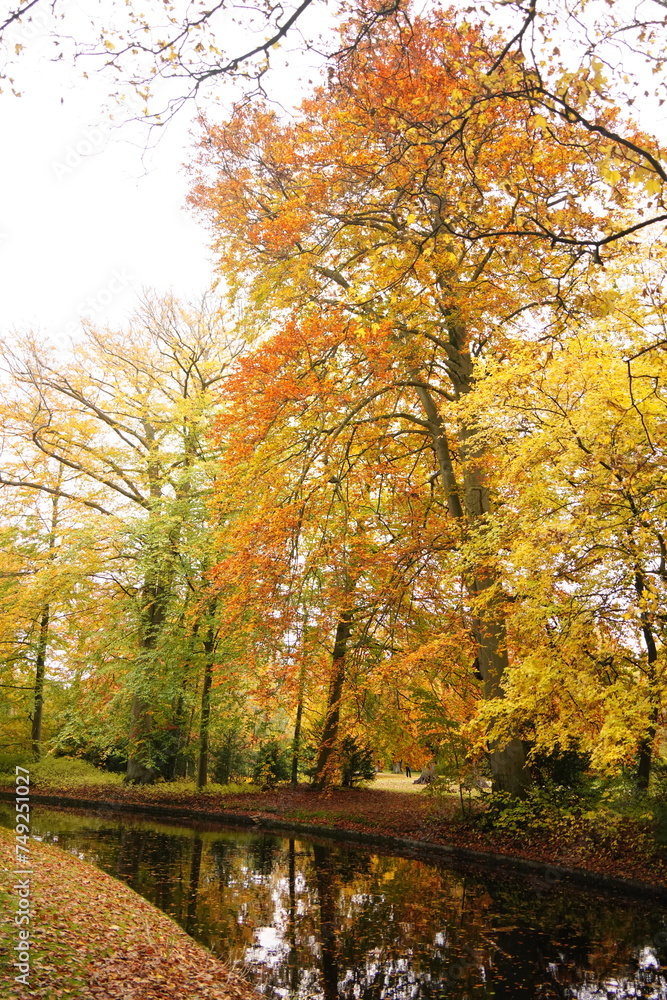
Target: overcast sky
[
  {"x": 88, "y": 215},
  {"x": 87, "y": 218}
]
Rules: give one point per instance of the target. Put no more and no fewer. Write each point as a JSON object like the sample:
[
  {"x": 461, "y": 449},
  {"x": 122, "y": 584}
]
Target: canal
[{"x": 304, "y": 918}]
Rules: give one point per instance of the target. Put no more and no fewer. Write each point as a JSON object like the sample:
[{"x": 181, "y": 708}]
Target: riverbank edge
[{"x": 549, "y": 871}]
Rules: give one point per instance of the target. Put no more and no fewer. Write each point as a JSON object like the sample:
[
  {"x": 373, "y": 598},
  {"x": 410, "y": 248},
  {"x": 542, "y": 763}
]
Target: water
[{"x": 310, "y": 919}]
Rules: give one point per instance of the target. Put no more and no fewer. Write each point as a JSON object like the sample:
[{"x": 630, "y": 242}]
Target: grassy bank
[{"x": 93, "y": 938}]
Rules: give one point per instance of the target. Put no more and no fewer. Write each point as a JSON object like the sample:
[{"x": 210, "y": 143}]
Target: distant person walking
[{"x": 408, "y": 771}]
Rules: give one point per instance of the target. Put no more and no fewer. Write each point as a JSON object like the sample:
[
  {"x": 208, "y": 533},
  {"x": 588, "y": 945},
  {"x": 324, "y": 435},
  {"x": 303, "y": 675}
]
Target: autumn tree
[
  {"x": 412, "y": 198},
  {"x": 42, "y": 592},
  {"x": 581, "y": 523},
  {"x": 124, "y": 418},
  {"x": 330, "y": 546},
  {"x": 547, "y": 51}
]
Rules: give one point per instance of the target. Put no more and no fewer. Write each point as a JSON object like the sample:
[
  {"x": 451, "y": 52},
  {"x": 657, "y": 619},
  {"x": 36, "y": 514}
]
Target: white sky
[
  {"x": 96, "y": 226},
  {"x": 87, "y": 217}
]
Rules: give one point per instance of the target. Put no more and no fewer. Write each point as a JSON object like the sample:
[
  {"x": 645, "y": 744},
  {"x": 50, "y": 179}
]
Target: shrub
[
  {"x": 272, "y": 764},
  {"x": 61, "y": 771},
  {"x": 356, "y": 760},
  {"x": 658, "y": 785},
  {"x": 112, "y": 757},
  {"x": 232, "y": 758},
  {"x": 560, "y": 768},
  {"x": 10, "y": 761}
]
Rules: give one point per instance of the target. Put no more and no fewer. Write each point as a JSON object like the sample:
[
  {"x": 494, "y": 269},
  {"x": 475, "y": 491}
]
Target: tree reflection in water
[
  {"x": 190, "y": 922},
  {"x": 315, "y": 920},
  {"x": 292, "y": 961}
]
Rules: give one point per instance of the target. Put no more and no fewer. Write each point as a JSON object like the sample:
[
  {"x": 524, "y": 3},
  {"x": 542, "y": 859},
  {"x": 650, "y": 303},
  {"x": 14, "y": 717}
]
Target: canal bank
[
  {"x": 334, "y": 816},
  {"x": 92, "y": 937}
]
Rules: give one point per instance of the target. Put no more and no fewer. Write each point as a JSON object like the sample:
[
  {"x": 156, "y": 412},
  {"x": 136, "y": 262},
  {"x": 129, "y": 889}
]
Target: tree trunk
[
  {"x": 296, "y": 743},
  {"x": 508, "y": 765},
  {"x": 646, "y": 745},
  {"x": 509, "y": 770},
  {"x": 155, "y": 594},
  {"x": 646, "y": 752},
  {"x": 175, "y": 767},
  {"x": 40, "y": 666},
  {"x": 326, "y": 754},
  {"x": 43, "y": 639},
  {"x": 205, "y": 717},
  {"x": 139, "y": 763}
]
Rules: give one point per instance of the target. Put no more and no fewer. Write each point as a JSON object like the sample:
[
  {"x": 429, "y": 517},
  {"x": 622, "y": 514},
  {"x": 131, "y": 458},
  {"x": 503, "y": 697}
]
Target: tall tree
[
  {"x": 49, "y": 558},
  {"x": 549, "y": 52},
  {"x": 43, "y": 638},
  {"x": 125, "y": 418},
  {"x": 410, "y": 198},
  {"x": 333, "y": 527},
  {"x": 581, "y": 525}
]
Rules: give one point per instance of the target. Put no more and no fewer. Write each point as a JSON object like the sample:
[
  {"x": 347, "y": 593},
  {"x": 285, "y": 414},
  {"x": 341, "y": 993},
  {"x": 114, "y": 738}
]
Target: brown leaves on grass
[
  {"x": 93, "y": 938},
  {"x": 146, "y": 971}
]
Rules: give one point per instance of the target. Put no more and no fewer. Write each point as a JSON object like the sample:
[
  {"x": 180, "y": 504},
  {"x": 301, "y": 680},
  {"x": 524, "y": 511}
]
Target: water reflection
[{"x": 304, "y": 919}]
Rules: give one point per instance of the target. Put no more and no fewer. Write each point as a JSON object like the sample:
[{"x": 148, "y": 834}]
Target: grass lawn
[
  {"x": 385, "y": 781},
  {"x": 71, "y": 772}
]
